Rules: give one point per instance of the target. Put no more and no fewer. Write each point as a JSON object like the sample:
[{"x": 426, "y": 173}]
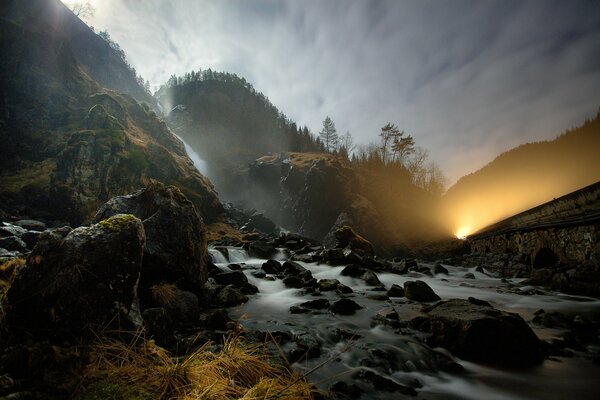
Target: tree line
[{"x": 396, "y": 154}]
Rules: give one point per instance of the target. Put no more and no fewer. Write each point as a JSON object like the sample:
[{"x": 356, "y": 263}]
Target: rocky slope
[{"x": 68, "y": 143}]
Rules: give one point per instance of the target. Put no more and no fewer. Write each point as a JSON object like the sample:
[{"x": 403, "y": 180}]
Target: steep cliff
[{"x": 69, "y": 144}]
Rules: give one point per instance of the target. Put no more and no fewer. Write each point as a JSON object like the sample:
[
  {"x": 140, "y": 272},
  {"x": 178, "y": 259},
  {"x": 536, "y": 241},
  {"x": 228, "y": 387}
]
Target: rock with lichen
[
  {"x": 176, "y": 247},
  {"x": 78, "y": 279}
]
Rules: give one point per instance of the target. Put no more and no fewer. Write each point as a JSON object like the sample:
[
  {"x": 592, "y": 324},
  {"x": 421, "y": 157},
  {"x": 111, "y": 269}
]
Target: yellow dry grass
[
  {"x": 238, "y": 371},
  {"x": 164, "y": 293}
]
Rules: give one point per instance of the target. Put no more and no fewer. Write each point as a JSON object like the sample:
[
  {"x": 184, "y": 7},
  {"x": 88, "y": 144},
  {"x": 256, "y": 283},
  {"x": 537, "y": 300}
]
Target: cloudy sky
[{"x": 468, "y": 79}]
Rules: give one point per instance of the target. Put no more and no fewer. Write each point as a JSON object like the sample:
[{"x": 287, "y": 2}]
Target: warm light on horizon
[{"x": 462, "y": 232}]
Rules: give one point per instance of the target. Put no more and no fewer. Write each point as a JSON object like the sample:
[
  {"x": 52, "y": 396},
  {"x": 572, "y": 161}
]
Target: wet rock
[
  {"x": 344, "y": 307},
  {"x": 387, "y": 316},
  {"x": 30, "y": 238},
  {"x": 318, "y": 304},
  {"x": 396, "y": 291},
  {"x": 382, "y": 383},
  {"x": 343, "y": 289},
  {"x": 353, "y": 270},
  {"x": 216, "y": 320},
  {"x": 31, "y": 225},
  {"x": 176, "y": 249},
  {"x": 260, "y": 223},
  {"x": 259, "y": 273},
  {"x": 235, "y": 278},
  {"x": 261, "y": 249},
  {"x": 159, "y": 326},
  {"x": 481, "y": 333},
  {"x": 181, "y": 306},
  {"x": 308, "y": 346},
  {"x": 293, "y": 268},
  {"x": 440, "y": 269},
  {"x": 248, "y": 289},
  {"x": 371, "y": 279},
  {"x": 272, "y": 267},
  {"x": 327, "y": 285},
  {"x": 293, "y": 282},
  {"x": 552, "y": 319},
  {"x": 7, "y": 229},
  {"x": 346, "y": 238},
  {"x": 469, "y": 275},
  {"x": 230, "y": 296},
  {"x": 13, "y": 243},
  {"x": 419, "y": 291},
  {"x": 87, "y": 278}
]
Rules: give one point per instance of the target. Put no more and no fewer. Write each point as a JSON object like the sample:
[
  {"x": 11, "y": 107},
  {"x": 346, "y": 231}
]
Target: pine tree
[{"x": 329, "y": 136}]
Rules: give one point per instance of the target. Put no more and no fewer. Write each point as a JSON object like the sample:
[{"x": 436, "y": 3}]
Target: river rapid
[{"x": 354, "y": 342}]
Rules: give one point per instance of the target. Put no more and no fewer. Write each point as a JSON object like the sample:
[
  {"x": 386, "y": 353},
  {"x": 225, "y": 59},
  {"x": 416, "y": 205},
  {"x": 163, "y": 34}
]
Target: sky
[{"x": 467, "y": 79}]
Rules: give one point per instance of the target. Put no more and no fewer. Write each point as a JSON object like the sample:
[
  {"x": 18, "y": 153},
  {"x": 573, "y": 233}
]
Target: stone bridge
[{"x": 555, "y": 243}]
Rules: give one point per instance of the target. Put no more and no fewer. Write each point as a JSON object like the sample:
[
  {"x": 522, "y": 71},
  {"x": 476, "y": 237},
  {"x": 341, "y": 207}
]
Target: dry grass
[
  {"x": 223, "y": 231},
  {"x": 8, "y": 272},
  {"x": 239, "y": 371},
  {"x": 164, "y": 293}
]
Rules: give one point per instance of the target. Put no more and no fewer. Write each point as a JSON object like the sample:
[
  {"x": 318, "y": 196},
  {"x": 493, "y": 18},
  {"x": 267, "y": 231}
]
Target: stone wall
[{"x": 556, "y": 244}]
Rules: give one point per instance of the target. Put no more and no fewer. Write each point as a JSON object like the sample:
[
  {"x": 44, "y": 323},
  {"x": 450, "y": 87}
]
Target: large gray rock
[
  {"x": 474, "y": 330},
  {"x": 74, "y": 280},
  {"x": 176, "y": 248}
]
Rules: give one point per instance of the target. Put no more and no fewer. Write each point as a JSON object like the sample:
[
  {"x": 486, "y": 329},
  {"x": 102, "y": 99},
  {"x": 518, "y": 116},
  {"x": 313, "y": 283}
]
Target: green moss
[
  {"x": 106, "y": 390},
  {"x": 116, "y": 222},
  {"x": 136, "y": 161}
]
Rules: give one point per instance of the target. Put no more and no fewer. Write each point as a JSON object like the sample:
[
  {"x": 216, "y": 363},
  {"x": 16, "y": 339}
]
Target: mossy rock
[
  {"x": 116, "y": 222},
  {"x": 107, "y": 390}
]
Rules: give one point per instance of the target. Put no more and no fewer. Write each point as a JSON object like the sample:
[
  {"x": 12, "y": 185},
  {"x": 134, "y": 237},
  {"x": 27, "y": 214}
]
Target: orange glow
[{"x": 462, "y": 232}]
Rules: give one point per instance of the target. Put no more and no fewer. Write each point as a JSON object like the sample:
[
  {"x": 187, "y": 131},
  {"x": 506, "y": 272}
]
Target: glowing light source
[{"x": 462, "y": 232}]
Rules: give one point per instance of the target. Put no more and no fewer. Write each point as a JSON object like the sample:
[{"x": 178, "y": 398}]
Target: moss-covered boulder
[
  {"x": 77, "y": 279},
  {"x": 176, "y": 248}
]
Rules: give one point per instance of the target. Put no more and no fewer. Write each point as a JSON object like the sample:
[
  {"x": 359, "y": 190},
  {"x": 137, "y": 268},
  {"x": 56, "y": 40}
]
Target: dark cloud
[{"x": 468, "y": 79}]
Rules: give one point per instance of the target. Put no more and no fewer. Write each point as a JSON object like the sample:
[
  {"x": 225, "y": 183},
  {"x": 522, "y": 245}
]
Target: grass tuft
[
  {"x": 164, "y": 293},
  {"x": 238, "y": 371}
]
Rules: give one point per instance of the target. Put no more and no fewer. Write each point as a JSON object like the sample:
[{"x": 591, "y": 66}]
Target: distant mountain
[
  {"x": 228, "y": 123},
  {"x": 524, "y": 177},
  {"x": 68, "y": 142}
]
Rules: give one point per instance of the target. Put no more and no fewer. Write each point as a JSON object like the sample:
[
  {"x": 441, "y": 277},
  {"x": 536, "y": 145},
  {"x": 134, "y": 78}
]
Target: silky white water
[{"x": 556, "y": 378}]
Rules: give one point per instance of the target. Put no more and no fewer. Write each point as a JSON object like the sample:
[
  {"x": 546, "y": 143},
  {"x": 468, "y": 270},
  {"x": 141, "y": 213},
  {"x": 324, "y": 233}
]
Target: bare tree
[{"x": 82, "y": 9}]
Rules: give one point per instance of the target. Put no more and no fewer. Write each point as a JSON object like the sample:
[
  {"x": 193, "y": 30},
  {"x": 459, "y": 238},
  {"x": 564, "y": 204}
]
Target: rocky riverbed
[
  {"x": 383, "y": 345},
  {"x": 355, "y": 325}
]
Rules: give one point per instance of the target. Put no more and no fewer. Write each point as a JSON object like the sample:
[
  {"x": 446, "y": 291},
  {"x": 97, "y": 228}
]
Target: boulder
[
  {"x": 344, "y": 307},
  {"x": 78, "y": 279},
  {"x": 182, "y": 306},
  {"x": 371, "y": 279},
  {"x": 327, "y": 285},
  {"x": 261, "y": 249},
  {"x": 271, "y": 267},
  {"x": 13, "y": 243},
  {"x": 31, "y": 225},
  {"x": 439, "y": 269},
  {"x": 419, "y": 291},
  {"x": 346, "y": 238},
  {"x": 230, "y": 296},
  {"x": 235, "y": 278},
  {"x": 396, "y": 291},
  {"x": 477, "y": 332},
  {"x": 176, "y": 249}
]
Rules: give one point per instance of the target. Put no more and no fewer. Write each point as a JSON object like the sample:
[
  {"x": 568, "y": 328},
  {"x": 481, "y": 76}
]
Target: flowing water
[{"x": 351, "y": 342}]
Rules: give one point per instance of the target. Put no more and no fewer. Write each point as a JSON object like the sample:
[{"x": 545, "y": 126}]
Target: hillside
[
  {"x": 68, "y": 143},
  {"x": 524, "y": 177},
  {"x": 228, "y": 123}
]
